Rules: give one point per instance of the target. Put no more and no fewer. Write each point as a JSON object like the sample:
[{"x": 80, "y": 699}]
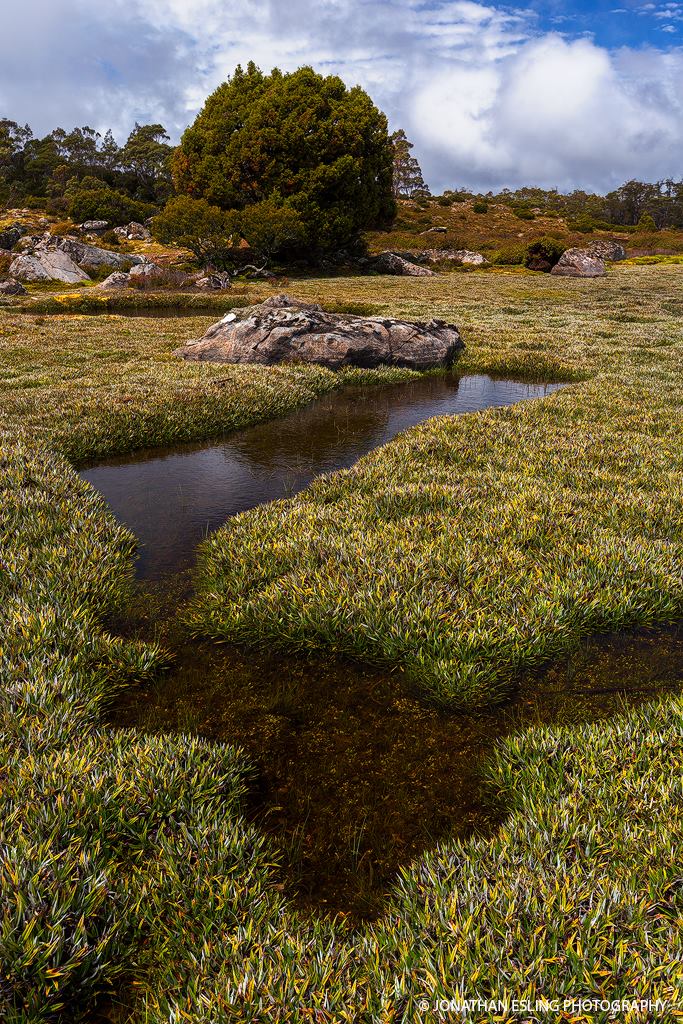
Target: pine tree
[{"x": 408, "y": 181}]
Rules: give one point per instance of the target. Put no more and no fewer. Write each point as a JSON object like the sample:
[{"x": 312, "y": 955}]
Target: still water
[{"x": 172, "y": 498}]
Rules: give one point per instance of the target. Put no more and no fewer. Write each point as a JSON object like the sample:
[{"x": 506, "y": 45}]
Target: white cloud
[{"x": 488, "y": 99}]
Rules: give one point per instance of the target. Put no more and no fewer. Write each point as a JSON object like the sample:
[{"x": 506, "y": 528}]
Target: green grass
[{"x": 125, "y": 862}]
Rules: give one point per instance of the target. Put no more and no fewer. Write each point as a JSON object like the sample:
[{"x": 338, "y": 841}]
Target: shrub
[
  {"x": 543, "y": 254},
  {"x": 646, "y": 223},
  {"x": 100, "y": 202},
  {"x": 298, "y": 139},
  {"x": 198, "y": 226},
  {"x": 480, "y": 206},
  {"x": 524, "y": 214},
  {"x": 584, "y": 224},
  {"x": 509, "y": 255},
  {"x": 110, "y": 238},
  {"x": 272, "y": 229},
  {"x": 444, "y": 200}
]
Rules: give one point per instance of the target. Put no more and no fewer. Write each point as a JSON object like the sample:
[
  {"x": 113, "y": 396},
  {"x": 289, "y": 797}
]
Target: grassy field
[{"x": 125, "y": 865}]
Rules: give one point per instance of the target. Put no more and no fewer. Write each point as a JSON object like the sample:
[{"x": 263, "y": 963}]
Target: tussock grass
[{"x": 125, "y": 862}]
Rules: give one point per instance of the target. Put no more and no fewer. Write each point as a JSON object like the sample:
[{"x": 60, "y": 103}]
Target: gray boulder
[
  {"x": 578, "y": 263},
  {"x": 134, "y": 231},
  {"x": 215, "y": 281},
  {"x": 92, "y": 257},
  {"x": 606, "y": 249},
  {"x": 392, "y": 263},
  {"x": 436, "y": 230},
  {"x": 12, "y": 288},
  {"x": 47, "y": 263},
  {"x": 116, "y": 280},
  {"x": 146, "y": 270},
  {"x": 284, "y": 330},
  {"x": 94, "y": 226}
]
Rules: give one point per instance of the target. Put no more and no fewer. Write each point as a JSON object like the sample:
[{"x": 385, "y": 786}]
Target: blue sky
[
  {"x": 612, "y": 23},
  {"x": 563, "y": 93}
]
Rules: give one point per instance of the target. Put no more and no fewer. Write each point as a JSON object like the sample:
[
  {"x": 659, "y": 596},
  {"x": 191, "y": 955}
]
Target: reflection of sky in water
[{"x": 171, "y": 500}]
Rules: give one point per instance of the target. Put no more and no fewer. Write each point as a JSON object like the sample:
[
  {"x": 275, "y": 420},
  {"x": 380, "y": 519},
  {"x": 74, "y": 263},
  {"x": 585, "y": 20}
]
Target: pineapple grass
[{"x": 462, "y": 551}]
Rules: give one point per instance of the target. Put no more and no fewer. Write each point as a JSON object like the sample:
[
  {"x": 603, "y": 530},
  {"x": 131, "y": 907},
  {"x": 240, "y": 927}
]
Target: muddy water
[
  {"x": 172, "y": 498},
  {"x": 353, "y": 776}
]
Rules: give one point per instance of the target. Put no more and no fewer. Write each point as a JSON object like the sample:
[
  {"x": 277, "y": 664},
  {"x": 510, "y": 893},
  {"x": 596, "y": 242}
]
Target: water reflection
[{"x": 172, "y": 498}]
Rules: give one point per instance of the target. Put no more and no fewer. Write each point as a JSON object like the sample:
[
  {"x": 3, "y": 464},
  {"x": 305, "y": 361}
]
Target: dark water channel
[
  {"x": 171, "y": 498},
  {"x": 353, "y": 775}
]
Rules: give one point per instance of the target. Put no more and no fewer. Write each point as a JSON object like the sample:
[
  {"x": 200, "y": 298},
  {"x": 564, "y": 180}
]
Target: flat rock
[
  {"x": 392, "y": 263},
  {"x": 578, "y": 263},
  {"x": 284, "y": 330},
  {"x": 606, "y": 249}
]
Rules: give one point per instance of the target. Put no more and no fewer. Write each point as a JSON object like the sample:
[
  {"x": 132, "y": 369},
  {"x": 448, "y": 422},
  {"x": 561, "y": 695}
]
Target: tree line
[{"x": 297, "y": 164}]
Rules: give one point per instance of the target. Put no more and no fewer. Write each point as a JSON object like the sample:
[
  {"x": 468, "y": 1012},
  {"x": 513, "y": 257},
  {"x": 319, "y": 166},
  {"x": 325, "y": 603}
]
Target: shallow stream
[{"x": 353, "y": 775}]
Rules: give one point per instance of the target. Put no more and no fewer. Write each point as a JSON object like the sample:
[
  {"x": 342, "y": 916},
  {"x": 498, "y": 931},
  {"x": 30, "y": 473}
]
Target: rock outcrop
[
  {"x": 578, "y": 263},
  {"x": 464, "y": 256},
  {"x": 47, "y": 263},
  {"x": 392, "y": 263},
  {"x": 283, "y": 330},
  {"x": 606, "y": 249}
]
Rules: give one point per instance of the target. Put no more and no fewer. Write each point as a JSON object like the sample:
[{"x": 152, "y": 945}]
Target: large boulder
[
  {"x": 92, "y": 257},
  {"x": 606, "y": 249},
  {"x": 47, "y": 263},
  {"x": 283, "y": 330},
  {"x": 578, "y": 263},
  {"x": 392, "y": 263}
]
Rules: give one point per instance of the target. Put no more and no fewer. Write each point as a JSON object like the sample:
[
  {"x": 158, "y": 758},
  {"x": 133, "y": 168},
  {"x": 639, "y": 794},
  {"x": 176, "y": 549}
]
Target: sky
[{"x": 557, "y": 93}]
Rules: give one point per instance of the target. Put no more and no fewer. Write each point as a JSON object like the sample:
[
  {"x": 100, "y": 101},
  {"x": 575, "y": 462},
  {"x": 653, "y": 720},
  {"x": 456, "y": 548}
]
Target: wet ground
[{"x": 353, "y": 775}]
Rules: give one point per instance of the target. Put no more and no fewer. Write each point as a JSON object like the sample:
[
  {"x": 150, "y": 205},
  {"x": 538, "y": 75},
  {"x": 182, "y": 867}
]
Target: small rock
[
  {"x": 392, "y": 263},
  {"x": 438, "y": 229},
  {"x": 578, "y": 263},
  {"x": 12, "y": 288},
  {"x": 134, "y": 231},
  {"x": 283, "y": 330}
]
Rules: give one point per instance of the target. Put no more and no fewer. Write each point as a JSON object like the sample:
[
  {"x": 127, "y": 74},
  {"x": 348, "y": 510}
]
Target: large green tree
[{"x": 300, "y": 140}]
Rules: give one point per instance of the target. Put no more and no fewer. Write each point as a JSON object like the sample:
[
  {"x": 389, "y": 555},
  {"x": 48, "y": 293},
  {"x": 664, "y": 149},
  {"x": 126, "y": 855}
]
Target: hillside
[{"x": 499, "y": 233}]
